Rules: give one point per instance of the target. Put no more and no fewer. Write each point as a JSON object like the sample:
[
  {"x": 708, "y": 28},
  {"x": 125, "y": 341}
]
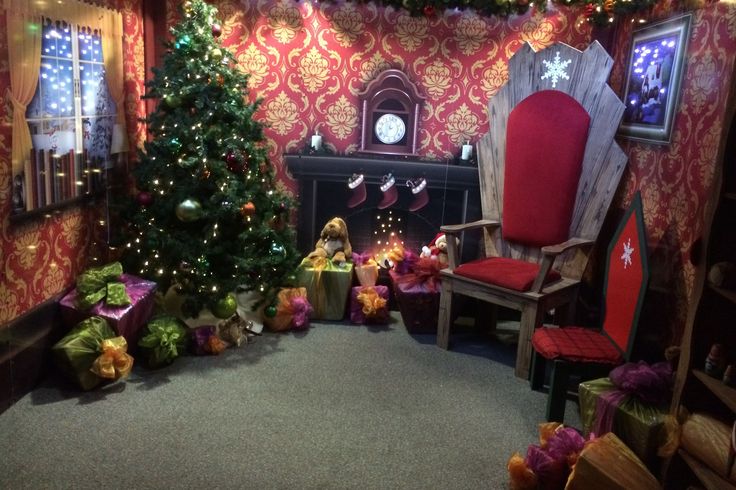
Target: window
[{"x": 72, "y": 109}]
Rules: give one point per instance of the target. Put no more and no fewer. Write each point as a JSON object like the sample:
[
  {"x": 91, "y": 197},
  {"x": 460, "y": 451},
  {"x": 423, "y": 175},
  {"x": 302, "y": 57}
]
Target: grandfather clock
[{"x": 391, "y": 105}]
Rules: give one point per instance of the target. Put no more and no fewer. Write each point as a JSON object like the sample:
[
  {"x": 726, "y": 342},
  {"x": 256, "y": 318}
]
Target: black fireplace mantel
[
  {"x": 331, "y": 168},
  {"x": 323, "y": 192}
]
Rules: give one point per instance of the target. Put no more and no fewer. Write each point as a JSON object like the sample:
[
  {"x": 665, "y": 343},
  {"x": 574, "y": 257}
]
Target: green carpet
[{"x": 339, "y": 406}]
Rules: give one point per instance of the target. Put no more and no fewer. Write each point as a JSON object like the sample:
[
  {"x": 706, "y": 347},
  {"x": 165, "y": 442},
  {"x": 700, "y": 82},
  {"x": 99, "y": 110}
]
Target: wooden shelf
[
  {"x": 729, "y": 294},
  {"x": 725, "y": 393},
  {"x": 708, "y": 477}
]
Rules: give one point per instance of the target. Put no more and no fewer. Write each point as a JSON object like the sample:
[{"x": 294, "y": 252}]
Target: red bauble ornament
[
  {"x": 428, "y": 10},
  {"x": 144, "y": 198},
  {"x": 216, "y": 29},
  {"x": 248, "y": 209},
  {"x": 233, "y": 163}
]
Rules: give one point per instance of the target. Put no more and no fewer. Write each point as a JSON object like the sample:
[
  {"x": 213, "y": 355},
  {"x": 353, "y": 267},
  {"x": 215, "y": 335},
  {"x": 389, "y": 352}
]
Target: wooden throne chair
[{"x": 549, "y": 168}]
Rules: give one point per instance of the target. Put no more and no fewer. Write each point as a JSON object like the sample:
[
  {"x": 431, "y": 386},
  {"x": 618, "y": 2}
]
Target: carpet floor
[{"x": 337, "y": 407}]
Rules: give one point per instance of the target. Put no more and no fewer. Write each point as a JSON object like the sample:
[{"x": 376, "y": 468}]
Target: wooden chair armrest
[
  {"x": 474, "y": 225},
  {"x": 550, "y": 253},
  {"x": 453, "y": 255},
  {"x": 557, "y": 249}
]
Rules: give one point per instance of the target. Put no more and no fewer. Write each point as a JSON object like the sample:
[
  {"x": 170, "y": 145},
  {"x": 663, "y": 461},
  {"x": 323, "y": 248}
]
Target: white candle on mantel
[
  {"x": 467, "y": 151},
  {"x": 316, "y": 142}
]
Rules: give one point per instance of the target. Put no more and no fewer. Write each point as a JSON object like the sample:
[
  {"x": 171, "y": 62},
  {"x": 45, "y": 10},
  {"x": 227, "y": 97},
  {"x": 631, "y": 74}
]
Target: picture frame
[{"x": 653, "y": 76}]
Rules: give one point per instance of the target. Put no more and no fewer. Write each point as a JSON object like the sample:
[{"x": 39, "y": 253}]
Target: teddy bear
[
  {"x": 437, "y": 249},
  {"x": 333, "y": 243}
]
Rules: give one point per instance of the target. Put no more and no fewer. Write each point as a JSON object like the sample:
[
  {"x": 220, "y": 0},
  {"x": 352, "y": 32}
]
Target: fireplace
[{"x": 453, "y": 191}]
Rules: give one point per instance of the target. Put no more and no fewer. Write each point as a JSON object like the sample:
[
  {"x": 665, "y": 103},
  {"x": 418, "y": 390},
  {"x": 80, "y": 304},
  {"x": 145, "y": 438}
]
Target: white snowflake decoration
[
  {"x": 556, "y": 69},
  {"x": 626, "y": 256}
]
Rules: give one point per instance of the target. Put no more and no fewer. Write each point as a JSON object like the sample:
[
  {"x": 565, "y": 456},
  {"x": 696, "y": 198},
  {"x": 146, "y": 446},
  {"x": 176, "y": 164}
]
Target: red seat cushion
[
  {"x": 545, "y": 144},
  {"x": 575, "y": 344},
  {"x": 504, "y": 272}
]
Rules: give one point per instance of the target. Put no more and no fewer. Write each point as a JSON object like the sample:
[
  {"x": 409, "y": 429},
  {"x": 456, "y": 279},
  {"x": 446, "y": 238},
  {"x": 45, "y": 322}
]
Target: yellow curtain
[
  {"x": 24, "y": 57},
  {"x": 24, "y": 49}
]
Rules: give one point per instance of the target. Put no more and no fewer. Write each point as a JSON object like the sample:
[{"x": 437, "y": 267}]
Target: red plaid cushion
[
  {"x": 575, "y": 344},
  {"x": 504, "y": 272}
]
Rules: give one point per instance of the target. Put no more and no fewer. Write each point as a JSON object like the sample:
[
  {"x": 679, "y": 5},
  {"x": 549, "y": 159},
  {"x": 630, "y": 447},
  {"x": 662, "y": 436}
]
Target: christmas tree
[{"x": 206, "y": 217}]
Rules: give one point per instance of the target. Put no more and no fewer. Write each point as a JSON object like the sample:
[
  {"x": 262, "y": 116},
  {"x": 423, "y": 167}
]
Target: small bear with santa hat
[{"x": 437, "y": 249}]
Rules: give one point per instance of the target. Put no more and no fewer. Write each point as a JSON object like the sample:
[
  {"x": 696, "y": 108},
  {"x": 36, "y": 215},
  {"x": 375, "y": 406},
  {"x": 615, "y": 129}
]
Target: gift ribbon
[
  {"x": 114, "y": 362},
  {"x": 425, "y": 273},
  {"x": 363, "y": 259},
  {"x": 372, "y": 303},
  {"x": 166, "y": 335},
  {"x": 651, "y": 384},
  {"x": 98, "y": 283}
]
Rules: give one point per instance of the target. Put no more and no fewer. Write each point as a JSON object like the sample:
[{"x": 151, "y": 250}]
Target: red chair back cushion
[
  {"x": 626, "y": 278},
  {"x": 545, "y": 144},
  {"x": 575, "y": 344}
]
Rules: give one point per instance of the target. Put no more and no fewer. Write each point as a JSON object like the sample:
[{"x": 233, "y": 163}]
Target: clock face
[{"x": 390, "y": 129}]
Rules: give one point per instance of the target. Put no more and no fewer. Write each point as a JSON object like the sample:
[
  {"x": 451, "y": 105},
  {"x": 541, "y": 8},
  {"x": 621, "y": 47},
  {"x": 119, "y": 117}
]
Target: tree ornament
[
  {"x": 277, "y": 223},
  {"x": 428, "y": 10},
  {"x": 216, "y": 29},
  {"x": 216, "y": 54},
  {"x": 188, "y": 6},
  {"x": 183, "y": 41},
  {"x": 189, "y": 210},
  {"x": 233, "y": 163},
  {"x": 205, "y": 174},
  {"x": 270, "y": 311},
  {"x": 220, "y": 79},
  {"x": 608, "y": 6},
  {"x": 248, "y": 209},
  {"x": 185, "y": 266},
  {"x": 144, "y": 198},
  {"x": 278, "y": 249},
  {"x": 172, "y": 101},
  {"x": 225, "y": 307}
]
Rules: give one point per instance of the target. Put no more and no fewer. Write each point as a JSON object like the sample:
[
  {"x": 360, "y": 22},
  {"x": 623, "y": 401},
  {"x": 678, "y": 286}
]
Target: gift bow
[
  {"x": 426, "y": 273},
  {"x": 301, "y": 309},
  {"x": 98, "y": 283},
  {"x": 371, "y": 301},
  {"x": 114, "y": 362},
  {"x": 363, "y": 259}
]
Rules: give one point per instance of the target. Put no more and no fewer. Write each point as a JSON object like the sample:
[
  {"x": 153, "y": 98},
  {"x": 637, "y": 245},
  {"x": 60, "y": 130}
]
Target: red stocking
[
  {"x": 357, "y": 184},
  {"x": 419, "y": 190},
  {"x": 390, "y": 194}
]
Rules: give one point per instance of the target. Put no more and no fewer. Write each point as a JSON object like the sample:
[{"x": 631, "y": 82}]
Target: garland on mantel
[{"x": 599, "y": 12}]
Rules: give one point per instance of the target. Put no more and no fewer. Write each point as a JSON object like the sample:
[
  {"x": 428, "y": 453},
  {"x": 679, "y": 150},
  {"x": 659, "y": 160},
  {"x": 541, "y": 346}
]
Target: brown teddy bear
[{"x": 333, "y": 243}]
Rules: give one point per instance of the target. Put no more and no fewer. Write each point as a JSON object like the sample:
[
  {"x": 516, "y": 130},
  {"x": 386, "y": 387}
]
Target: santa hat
[{"x": 433, "y": 243}]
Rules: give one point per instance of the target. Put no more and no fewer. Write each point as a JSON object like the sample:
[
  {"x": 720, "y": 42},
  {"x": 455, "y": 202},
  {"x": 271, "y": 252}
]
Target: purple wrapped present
[
  {"x": 125, "y": 320},
  {"x": 369, "y": 304},
  {"x": 418, "y": 296}
]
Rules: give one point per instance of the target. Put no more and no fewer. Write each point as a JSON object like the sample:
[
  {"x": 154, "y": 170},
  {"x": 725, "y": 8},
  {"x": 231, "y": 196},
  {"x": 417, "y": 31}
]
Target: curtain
[
  {"x": 24, "y": 57},
  {"x": 24, "y": 49}
]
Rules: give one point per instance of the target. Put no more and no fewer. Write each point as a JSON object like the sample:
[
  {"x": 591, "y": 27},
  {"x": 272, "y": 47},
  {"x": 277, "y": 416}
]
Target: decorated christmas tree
[{"x": 206, "y": 217}]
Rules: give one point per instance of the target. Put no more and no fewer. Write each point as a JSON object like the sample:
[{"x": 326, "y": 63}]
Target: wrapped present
[
  {"x": 607, "y": 462},
  {"x": 125, "y": 301},
  {"x": 164, "y": 338},
  {"x": 91, "y": 353},
  {"x": 417, "y": 293},
  {"x": 369, "y": 304},
  {"x": 366, "y": 269},
  {"x": 328, "y": 287},
  {"x": 292, "y": 311},
  {"x": 234, "y": 330},
  {"x": 632, "y": 403},
  {"x": 206, "y": 342}
]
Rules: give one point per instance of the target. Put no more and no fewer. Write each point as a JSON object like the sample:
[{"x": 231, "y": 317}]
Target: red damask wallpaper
[
  {"x": 41, "y": 257},
  {"x": 676, "y": 180}
]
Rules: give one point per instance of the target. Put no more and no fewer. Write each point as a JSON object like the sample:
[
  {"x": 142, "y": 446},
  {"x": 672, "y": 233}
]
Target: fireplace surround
[{"x": 453, "y": 191}]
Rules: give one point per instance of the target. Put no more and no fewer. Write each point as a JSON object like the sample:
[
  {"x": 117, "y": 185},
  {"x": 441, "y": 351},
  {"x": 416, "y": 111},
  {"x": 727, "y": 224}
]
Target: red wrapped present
[
  {"x": 369, "y": 304},
  {"x": 126, "y": 320},
  {"x": 417, "y": 293}
]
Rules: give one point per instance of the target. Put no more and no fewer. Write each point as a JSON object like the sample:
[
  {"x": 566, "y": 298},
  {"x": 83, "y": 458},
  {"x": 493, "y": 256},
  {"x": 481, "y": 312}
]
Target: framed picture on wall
[{"x": 653, "y": 77}]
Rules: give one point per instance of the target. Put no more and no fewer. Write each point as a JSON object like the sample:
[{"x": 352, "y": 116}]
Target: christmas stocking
[
  {"x": 357, "y": 184},
  {"x": 419, "y": 190},
  {"x": 390, "y": 194}
]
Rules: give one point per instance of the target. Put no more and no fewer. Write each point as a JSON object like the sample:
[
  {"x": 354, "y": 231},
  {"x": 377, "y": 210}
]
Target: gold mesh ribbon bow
[
  {"x": 371, "y": 301},
  {"x": 114, "y": 362}
]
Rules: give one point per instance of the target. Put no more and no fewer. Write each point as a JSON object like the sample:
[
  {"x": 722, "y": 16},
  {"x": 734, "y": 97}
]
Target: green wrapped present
[
  {"x": 327, "y": 287},
  {"x": 101, "y": 283},
  {"x": 164, "y": 338},
  {"x": 640, "y": 425},
  {"x": 77, "y": 352}
]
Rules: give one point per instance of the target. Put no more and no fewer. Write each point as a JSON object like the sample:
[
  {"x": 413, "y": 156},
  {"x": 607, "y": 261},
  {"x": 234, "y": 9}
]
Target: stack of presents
[{"x": 112, "y": 315}]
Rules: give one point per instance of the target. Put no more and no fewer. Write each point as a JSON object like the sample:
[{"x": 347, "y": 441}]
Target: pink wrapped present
[
  {"x": 369, "y": 304},
  {"x": 125, "y": 320}
]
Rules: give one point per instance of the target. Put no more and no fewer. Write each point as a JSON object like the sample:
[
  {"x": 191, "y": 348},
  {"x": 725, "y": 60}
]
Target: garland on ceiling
[{"x": 599, "y": 12}]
